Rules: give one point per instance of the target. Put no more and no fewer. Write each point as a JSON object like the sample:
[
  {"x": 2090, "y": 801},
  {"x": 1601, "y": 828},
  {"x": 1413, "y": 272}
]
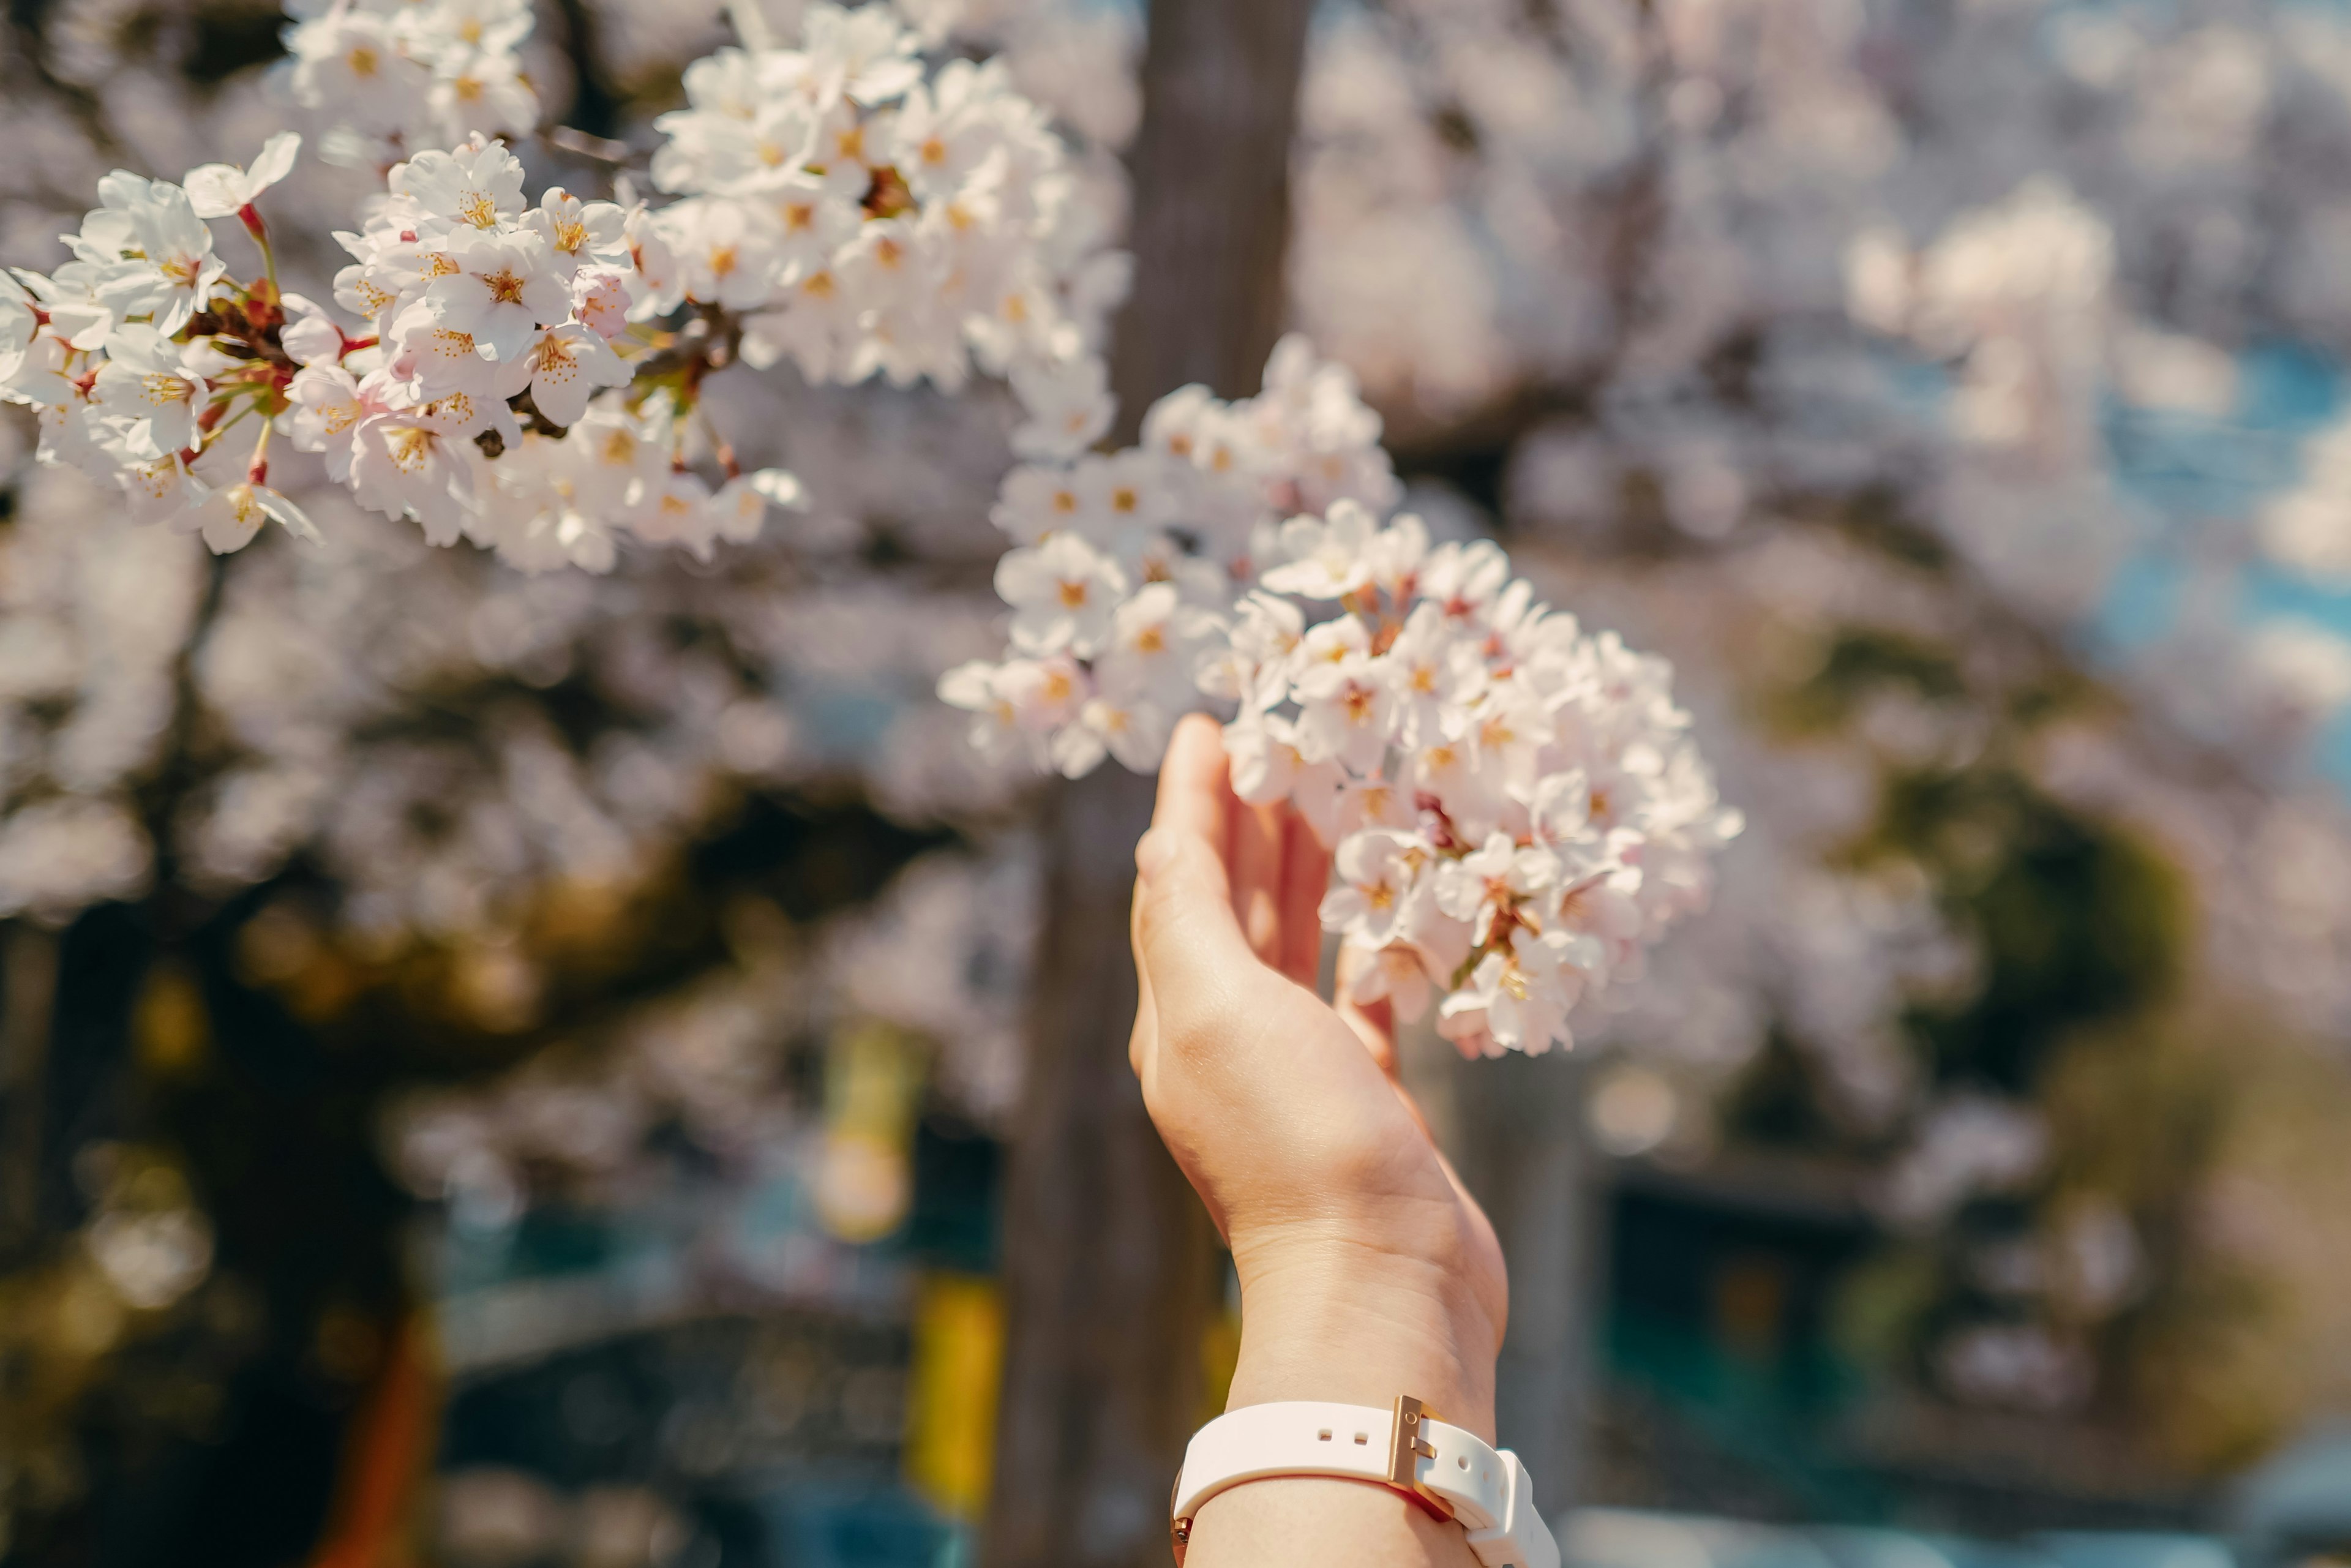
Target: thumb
[{"x": 1187, "y": 941}]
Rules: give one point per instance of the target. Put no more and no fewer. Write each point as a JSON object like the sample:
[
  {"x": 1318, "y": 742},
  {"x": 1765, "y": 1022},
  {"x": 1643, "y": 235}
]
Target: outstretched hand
[{"x": 1366, "y": 1269}]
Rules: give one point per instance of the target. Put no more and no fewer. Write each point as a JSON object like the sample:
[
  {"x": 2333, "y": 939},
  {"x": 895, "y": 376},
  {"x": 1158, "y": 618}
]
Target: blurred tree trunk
[
  {"x": 28, "y": 977},
  {"x": 1211, "y": 169},
  {"x": 1109, "y": 1263},
  {"x": 1521, "y": 1146}
]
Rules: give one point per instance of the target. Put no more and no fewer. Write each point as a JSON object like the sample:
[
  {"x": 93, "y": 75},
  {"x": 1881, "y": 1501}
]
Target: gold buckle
[{"x": 1405, "y": 1444}]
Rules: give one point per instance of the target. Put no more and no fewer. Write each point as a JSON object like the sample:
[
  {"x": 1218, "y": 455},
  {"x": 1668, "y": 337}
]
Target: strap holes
[
  {"x": 1324, "y": 1435},
  {"x": 1464, "y": 1462},
  {"x": 1362, "y": 1438}
]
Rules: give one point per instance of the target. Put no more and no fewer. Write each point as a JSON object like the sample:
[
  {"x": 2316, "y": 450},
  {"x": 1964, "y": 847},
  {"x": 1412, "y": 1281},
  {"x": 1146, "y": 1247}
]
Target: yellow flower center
[{"x": 411, "y": 447}]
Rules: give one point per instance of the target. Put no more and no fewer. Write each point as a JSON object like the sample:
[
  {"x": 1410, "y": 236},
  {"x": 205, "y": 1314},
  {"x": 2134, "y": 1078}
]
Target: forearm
[
  {"x": 1330, "y": 1323},
  {"x": 1304, "y": 1521}
]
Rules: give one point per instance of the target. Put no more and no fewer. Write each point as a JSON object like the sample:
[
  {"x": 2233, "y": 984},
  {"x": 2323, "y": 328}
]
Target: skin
[{"x": 1366, "y": 1270}]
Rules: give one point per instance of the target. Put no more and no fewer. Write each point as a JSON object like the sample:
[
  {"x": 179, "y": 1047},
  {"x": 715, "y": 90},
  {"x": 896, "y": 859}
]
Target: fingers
[
  {"x": 1374, "y": 1025},
  {"x": 1257, "y": 853},
  {"x": 1305, "y": 876},
  {"x": 1374, "y": 1022},
  {"x": 1189, "y": 946},
  {"x": 1193, "y": 803},
  {"x": 1195, "y": 792},
  {"x": 1143, "y": 1039}
]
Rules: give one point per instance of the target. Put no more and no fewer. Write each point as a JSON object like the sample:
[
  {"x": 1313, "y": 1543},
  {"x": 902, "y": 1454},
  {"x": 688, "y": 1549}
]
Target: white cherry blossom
[
  {"x": 151, "y": 255},
  {"x": 222, "y": 190},
  {"x": 505, "y": 288},
  {"x": 150, "y": 391},
  {"x": 564, "y": 369},
  {"x": 231, "y": 516},
  {"x": 1063, "y": 593},
  {"x": 1505, "y": 791}
]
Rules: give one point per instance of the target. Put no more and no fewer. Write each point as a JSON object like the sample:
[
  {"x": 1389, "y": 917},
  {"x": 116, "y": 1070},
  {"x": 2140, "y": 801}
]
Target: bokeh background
[{"x": 514, "y": 1071}]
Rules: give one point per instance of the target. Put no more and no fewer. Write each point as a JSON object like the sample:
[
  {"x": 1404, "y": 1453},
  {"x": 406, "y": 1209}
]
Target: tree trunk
[
  {"x": 1110, "y": 1265},
  {"x": 1522, "y": 1149},
  {"x": 28, "y": 978},
  {"x": 1211, "y": 170}
]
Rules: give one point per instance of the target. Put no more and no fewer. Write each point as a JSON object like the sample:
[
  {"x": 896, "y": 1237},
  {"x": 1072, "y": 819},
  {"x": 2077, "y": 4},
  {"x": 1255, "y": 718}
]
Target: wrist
[{"x": 1329, "y": 1316}]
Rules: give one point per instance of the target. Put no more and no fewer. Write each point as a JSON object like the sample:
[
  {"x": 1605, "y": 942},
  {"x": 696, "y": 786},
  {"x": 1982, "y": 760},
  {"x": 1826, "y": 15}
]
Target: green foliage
[{"x": 2076, "y": 921}]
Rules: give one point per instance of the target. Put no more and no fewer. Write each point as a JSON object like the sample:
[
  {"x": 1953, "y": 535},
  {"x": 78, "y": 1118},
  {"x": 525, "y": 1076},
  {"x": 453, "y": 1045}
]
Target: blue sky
[{"x": 2188, "y": 472}]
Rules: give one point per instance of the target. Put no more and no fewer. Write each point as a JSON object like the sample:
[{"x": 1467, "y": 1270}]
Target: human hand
[{"x": 1366, "y": 1269}]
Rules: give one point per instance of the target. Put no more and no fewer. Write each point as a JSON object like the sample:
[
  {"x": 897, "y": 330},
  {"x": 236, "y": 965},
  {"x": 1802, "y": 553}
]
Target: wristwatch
[{"x": 1450, "y": 1472}]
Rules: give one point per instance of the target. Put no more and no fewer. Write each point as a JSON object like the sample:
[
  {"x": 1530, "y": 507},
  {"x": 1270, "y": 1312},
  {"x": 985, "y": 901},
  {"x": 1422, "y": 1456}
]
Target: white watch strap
[{"x": 1486, "y": 1491}]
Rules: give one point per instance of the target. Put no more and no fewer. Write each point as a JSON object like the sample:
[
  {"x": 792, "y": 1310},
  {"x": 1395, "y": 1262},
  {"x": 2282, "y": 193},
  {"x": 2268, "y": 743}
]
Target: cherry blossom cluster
[
  {"x": 147, "y": 358},
  {"x": 529, "y": 375},
  {"x": 863, "y": 217},
  {"x": 143, "y": 355},
  {"x": 1517, "y": 807},
  {"x": 1125, "y": 566},
  {"x": 472, "y": 401},
  {"x": 382, "y": 79}
]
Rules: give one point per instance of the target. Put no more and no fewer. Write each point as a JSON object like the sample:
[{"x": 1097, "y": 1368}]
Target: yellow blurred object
[
  {"x": 170, "y": 1024},
  {"x": 951, "y": 1414},
  {"x": 1220, "y": 1355},
  {"x": 862, "y": 1186},
  {"x": 89, "y": 1320},
  {"x": 498, "y": 985},
  {"x": 280, "y": 949},
  {"x": 873, "y": 1075},
  {"x": 957, "y": 1363}
]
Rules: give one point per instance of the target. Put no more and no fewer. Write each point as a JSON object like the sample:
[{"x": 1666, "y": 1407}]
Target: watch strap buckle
[{"x": 1408, "y": 1444}]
